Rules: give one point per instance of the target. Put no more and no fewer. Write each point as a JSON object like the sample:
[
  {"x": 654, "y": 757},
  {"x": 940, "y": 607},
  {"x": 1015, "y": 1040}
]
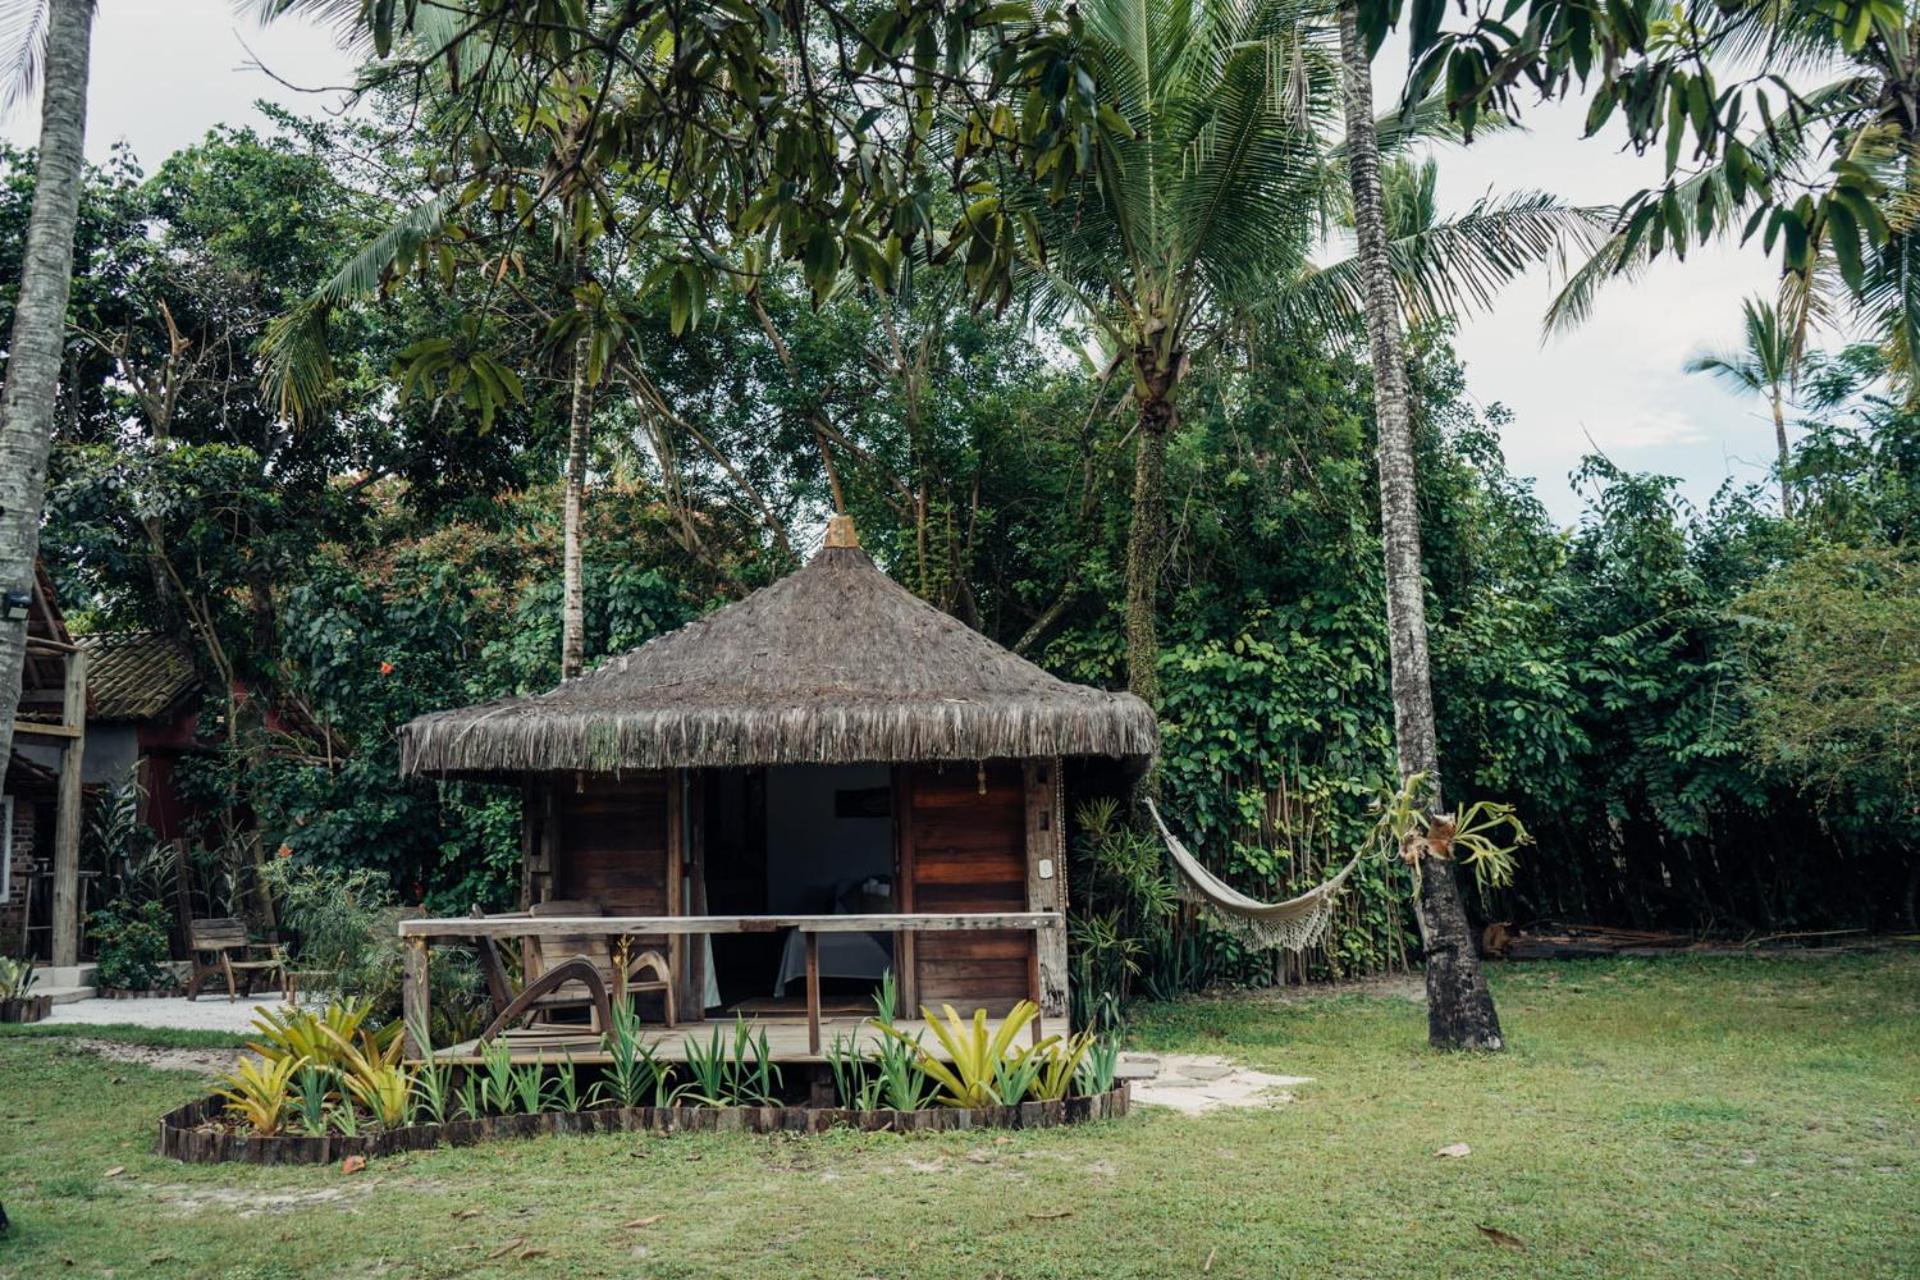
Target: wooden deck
[{"x": 786, "y": 1040}]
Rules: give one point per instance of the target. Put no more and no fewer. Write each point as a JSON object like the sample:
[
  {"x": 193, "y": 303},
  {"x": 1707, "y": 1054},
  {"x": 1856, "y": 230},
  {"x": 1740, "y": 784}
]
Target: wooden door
[{"x": 964, "y": 848}]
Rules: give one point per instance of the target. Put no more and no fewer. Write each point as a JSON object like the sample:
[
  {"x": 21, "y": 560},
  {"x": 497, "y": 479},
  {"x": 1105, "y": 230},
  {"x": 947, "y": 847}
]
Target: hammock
[{"x": 1295, "y": 924}]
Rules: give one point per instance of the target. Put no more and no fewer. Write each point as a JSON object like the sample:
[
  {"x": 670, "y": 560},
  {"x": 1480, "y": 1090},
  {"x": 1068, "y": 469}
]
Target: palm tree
[
  {"x": 1766, "y": 366},
  {"x": 55, "y": 38},
  {"x": 1206, "y": 207},
  {"x": 1460, "y": 1012}
]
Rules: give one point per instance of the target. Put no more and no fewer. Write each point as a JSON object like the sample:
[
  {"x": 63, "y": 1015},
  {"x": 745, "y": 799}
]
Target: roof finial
[{"x": 840, "y": 532}]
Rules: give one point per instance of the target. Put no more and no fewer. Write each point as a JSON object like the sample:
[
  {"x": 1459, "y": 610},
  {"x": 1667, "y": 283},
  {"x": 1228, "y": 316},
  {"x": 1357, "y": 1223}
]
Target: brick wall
[{"x": 16, "y": 895}]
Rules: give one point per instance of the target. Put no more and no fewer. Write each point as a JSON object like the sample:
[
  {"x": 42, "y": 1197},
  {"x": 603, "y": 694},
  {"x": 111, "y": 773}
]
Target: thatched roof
[
  {"x": 136, "y": 675},
  {"x": 834, "y": 664}
]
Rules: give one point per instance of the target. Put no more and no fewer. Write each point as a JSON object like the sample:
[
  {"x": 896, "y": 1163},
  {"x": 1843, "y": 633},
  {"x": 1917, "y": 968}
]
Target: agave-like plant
[
  {"x": 297, "y": 1033},
  {"x": 373, "y": 1075},
  {"x": 978, "y": 1054},
  {"x": 257, "y": 1091}
]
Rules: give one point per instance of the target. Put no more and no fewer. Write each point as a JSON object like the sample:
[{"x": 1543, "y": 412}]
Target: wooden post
[
  {"x": 1047, "y": 881},
  {"x": 1034, "y": 991},
  {"x": 694, "y": 986},
  {"x": 66, "y": 821},
  {"x": 905, "y": 972},
  {"x": 676, "y": 871},
  {"x": 416, "y": 1013},
  {"x": 813, "y": 992}
]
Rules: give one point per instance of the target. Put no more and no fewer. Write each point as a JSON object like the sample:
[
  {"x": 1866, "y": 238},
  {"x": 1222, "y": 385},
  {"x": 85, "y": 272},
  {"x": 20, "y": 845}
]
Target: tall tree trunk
[
  {"x": 1147, "y": 531},
  {"x": 1460, "y": 1013},
  {"x": 573, "y": 610},
  {"x": 39, "y": 327},
  {"x": 1786, "y": 456}
]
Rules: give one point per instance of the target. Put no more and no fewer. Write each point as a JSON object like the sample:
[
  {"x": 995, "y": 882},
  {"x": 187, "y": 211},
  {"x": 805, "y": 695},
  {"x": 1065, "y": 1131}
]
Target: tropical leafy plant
[
  {"x": 16, "y": 978},
  {"x": 635, "y": 1076},
  {"x": 312, "y": 1100},
  {"x": 257, "y": 1091},
  {"x": 133, "y": 949},
  {"x": 971, "y": 1076},
  {"x": 372, "y": 1074},
  {"x": 732, "y": 1068}
]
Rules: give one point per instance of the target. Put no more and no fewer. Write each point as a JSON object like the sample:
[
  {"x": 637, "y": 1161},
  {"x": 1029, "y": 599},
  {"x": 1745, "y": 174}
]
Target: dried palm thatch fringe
[
  {"x": 834, "y": 664},
  {"x": 1295, "y": 924}
]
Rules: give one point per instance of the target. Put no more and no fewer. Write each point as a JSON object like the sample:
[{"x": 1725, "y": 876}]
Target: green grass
[{"x": 1681, "y": 1117}]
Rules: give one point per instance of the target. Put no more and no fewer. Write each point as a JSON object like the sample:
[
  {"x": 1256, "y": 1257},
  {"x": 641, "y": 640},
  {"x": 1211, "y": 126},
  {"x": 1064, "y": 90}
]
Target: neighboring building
[
  {"x": 40, "y": 808},
  {"x": 143, "y": 707}
]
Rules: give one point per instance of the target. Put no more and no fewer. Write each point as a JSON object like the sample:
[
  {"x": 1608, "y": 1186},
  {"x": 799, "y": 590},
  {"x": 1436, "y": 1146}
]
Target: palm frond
[
  {"x": 296, "y": 367},
  {"x": 23, "y": 51},
  {"x": 1456, "y": 267}
]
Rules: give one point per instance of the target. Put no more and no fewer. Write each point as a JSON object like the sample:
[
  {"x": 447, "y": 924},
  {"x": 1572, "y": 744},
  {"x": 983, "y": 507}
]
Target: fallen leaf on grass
[
  {"x": 1501, "y": 1238},
  {"x": 1051, "y": 1213},
  {"x": 1211, "y": 1255},
  {"x": 115, "y": 1172},
  {"x": 532, "y": 1253},
  {"x": 353, "y": 1164},
  {"x": 466, "y": 1213},
  {"x": 643, "y": 1222},
  {"x": 507, "y": 1248},
  {"x": 1455, "y": 1151}
]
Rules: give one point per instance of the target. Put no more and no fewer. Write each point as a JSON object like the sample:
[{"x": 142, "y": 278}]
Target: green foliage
[
  {"x": 16, "y": 978},
  {"x": 635, "y": 1076},
  {"x": 131, "y": 945},
  {"x": 1834, "y": 684}
]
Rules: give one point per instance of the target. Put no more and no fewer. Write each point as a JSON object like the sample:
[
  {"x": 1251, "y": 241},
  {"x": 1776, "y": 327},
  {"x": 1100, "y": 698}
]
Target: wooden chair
[
  {"x": 213, "y": 945},
  {"x": 570, "y": 971}
]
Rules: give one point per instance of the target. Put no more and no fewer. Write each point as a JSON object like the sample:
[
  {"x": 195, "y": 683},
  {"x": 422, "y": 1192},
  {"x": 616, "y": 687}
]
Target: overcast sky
[{"x": 165, "y": 71}]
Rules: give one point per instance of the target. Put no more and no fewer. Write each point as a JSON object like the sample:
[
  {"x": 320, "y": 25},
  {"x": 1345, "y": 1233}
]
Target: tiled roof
[{"x": 135, "y": 675}]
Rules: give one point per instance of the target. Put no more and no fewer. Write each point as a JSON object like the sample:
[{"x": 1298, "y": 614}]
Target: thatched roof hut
[{"x": 834, "y": 664}]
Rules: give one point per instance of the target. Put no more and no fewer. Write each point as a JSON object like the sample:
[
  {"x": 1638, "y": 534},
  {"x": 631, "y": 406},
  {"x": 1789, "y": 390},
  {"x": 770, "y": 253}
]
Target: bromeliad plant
[
  {"x": 978, "y": 1072},
  {"x": 257, "y": 1091}
]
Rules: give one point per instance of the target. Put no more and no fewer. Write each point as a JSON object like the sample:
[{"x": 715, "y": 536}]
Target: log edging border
[{"x": 186, "y": 1136}]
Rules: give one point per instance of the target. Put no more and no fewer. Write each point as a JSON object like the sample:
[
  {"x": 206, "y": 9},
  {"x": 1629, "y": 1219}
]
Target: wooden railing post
[
  {"x": 813, "y": 991},
  {"x": 415, "y": 1012}
]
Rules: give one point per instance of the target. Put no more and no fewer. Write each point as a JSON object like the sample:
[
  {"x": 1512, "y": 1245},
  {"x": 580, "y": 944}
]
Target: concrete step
[
  {"x": 72, "y": 975},
  {"x": 65, "y": 995}
]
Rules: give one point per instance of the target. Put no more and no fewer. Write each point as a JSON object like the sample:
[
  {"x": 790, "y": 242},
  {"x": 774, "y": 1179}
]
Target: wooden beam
[
  {"x": 66, "y": 820},
  {"x": 1047, "y": 881},
  {"x": 38, "y": 729},
  {"x": 676, "y": 871},
  {"x": 513, "y": 926},
  {"x": 416, "y": 1013},
  {"x": 813, "y": 993},
  {"x": 906, "y": 973}
]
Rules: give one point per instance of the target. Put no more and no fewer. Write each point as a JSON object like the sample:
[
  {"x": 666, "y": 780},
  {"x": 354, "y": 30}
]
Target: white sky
[{"x": 166, "y": 71}]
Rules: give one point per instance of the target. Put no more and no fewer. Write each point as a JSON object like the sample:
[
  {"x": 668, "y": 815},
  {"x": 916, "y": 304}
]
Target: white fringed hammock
[{"x": 1295, "y": 924}]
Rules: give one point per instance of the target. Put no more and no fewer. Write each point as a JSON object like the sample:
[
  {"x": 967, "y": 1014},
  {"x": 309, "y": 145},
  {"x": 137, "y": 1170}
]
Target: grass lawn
[{"x": 1679, "y": 1117}]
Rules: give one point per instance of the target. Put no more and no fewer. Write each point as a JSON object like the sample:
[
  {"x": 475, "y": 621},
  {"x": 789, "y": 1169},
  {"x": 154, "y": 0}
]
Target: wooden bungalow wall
[{"x": 970, "y": 838}]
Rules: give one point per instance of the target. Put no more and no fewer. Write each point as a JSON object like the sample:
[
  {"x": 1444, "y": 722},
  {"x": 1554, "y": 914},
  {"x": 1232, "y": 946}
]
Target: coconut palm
[
  {"x": 1460, "y": 1012},
  {"x": 48, "y": 42},
  {"x": 1765, "y": 367},
  {"x": 1209, "y": 199}
]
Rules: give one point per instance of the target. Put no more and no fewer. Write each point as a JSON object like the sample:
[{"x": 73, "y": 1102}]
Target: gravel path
[{"x": 209, "y": 1013}]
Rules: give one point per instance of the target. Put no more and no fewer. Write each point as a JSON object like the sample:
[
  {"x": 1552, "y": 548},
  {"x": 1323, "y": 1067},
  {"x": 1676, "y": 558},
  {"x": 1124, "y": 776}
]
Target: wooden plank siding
[
  {"x": 610, "y": 842},
  {"x": 968, "y": 832}
]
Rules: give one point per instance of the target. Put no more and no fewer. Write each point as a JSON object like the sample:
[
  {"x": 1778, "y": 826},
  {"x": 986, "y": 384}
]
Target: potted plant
[{"x": 16, "y": 981}]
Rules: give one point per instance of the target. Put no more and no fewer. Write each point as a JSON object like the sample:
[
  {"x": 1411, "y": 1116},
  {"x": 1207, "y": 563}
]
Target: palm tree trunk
[
  {"x": 573, "y": 609},
  {"x": 1145, "y": 536},
  {"x": 1786, "y": 457},
  {"x": 1460, "y": 1013},
  {"x": 39, "y": 333}
]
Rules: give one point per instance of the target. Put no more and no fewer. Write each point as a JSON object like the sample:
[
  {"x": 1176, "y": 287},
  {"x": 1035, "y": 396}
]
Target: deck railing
[{"x": 621, "y": 931}]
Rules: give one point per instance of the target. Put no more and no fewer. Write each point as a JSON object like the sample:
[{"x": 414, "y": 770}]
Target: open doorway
[{"x": 800, "y": 840}]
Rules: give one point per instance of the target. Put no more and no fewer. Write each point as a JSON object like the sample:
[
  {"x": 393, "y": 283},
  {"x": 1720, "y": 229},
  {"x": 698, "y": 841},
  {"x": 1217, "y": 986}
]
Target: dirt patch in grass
[
  {"x": 249, "y": 1203},
  {"x": 203, "y": 1062}
]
